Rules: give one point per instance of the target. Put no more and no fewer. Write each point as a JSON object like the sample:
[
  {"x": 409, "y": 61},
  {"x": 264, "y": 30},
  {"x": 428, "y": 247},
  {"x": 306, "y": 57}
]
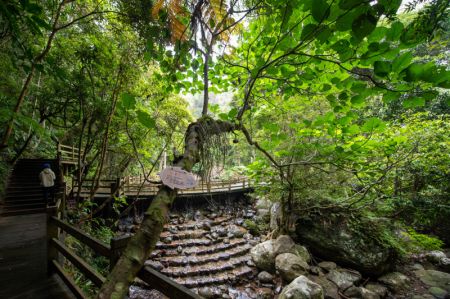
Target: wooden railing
[
  {"x": 57, "y": 250},
  {"x": 133, "y": 187},
  {"x": 68, "y": 154}
]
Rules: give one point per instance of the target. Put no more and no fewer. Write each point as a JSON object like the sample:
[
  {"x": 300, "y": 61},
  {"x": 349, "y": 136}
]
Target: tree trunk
[{"x": 144, "y": 241}]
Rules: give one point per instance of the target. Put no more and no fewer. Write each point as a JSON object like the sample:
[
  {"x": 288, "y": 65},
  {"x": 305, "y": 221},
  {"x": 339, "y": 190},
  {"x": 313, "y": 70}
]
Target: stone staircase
[
  {"x": 209, "y": 251},
  {"x": 23, "y": 192}
]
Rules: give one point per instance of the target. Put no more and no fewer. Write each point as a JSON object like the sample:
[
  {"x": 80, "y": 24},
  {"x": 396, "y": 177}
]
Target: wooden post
[
  {"x": 52, "y": 232},
  {"x": 117, "y": 245}
]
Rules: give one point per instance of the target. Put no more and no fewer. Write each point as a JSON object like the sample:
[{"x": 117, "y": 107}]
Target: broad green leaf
[
  {"x": 145, "y": 119},
  {"x": 307, "y": 32},
  {"x": 364, "y": 25},
  {"x": 382, "y": 68},
  {"x": 128, "y": 101},
  {"x": 373, "y": 124},
  {"x": 320, "y": 10},
  {"x": 349, "y": 4},
  {"x": 232, "y": 113},
  {"x": 395, "y": 31},
  {"x": 402, "y": 61}
]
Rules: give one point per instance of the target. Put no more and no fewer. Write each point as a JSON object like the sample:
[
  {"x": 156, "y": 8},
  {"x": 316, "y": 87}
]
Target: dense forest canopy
[{"x": 339, "y": 107}]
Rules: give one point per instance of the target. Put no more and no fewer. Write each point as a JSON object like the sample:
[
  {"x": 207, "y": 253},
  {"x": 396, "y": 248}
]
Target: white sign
[{"x": 175, "y": 177}]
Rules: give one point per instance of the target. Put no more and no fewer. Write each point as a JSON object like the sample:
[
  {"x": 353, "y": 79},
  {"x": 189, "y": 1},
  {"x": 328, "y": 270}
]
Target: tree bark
[{"x": 144, "y": 241}]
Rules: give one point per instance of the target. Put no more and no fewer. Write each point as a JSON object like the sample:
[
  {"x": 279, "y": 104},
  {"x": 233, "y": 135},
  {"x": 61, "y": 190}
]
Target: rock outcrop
[
  {"x": 290, "y": 266},
  {"x": 337, "y": 240}
]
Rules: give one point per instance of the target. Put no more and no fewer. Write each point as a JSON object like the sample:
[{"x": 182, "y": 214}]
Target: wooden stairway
[{"x": 23, "y": 192}]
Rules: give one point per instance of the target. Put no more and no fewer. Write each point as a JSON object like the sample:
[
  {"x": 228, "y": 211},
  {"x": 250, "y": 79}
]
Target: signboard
[{"x": 175, "y": 177}]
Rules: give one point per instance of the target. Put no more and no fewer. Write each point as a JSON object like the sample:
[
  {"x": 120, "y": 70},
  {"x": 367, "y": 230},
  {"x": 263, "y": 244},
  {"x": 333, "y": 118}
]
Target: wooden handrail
[
  {"x": 70, "y": 283},
  {"x": 87, "y": 270},
  {"x": 81, "y": 236}
]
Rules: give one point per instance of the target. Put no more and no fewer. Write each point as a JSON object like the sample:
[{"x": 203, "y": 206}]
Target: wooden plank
[
  {"x": 87, "y": 270},
  {"x": 96, "y": 245},
  {"x": 165, "y": 285},
  {"x": 77, "y": 292}
]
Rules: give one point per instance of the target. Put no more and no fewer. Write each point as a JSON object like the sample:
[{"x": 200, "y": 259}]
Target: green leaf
[
  {"x": 307, "y": 32},
  {"x": 414, "y": 102},
  {"x": 382, "y": 68},
  {"x": 348, "y": 4},
  {"x": 145, "y": 119},
  {"x": 364, "y": 25},
  {"x": 357, "y": 100},
  {"x": 232, "y": 113},
  {"x": 373, "y": 124},
  {"x": 395, "y": 31},
  {"x": 402, "y": 61},
  {"x": 128, "y": 101},
  {"x": 320, "y": 10}
]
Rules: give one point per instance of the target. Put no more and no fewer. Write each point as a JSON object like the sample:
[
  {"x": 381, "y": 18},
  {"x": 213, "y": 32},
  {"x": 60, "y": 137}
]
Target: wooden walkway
[{"x": 23, "y": 260}]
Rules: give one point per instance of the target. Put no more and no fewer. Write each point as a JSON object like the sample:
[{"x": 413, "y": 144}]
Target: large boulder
[
  {"x": 290, "y": 266},
  {"x": 263, "y": 255},
  {"x": 333, "y": 237},
  {"x": 302, "y": 288}
]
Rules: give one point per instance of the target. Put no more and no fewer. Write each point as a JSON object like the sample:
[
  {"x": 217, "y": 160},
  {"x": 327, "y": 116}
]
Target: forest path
[{"x": 23, "y": 260}]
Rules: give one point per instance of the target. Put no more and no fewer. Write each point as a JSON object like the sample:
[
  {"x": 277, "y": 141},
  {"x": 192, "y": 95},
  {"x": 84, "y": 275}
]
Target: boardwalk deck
[{"x": 23, "y": 258}]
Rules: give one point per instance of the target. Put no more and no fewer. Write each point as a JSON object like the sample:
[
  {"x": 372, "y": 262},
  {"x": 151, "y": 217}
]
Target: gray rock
[
  {"x": 263, "y": 255},
  {"x": 438, "y": 292},
  {"x": 417, "y": 266},
  {"x": 433, "y": 278},
  {"x": 302, "y": 288},
  {"x": 290, "y": 266},
  {"x": 327, "y": 266},
  {"x": 353, "y": 292},
  {"x": 349, "y": 245},
  {"x": 179, "y": 249},
  {"x": 265, "y": 277},
  {"x": 302, "y": 252},
  {"x": 264, "y": 293},
  {"x": 395, "y": 281},
  {"x": 215, "y": 236},
  {"x": 330, "y": 290},
  {"x": 316, "y": 270},
  {"x": 445, "y": 264},
  {"x": 435, "y": 256},
  {"x": 423, "y": 296},
  {"x": 284, "y": 244},
  {"x": 368, "y": 294},
  {"x": 167, "y": 240},
  {"x": 263, "y": 213},
  {"x": 236, "y": 231},
  {"x": 378, "y": 289},
  {"x": 226, "y": 241},
  {"x": 343, "y": 278},
  {"x": 206, "y": 292},
  {"x": 206, "y": 225}
]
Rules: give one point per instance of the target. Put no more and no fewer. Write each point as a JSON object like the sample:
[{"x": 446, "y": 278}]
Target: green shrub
[{"x": 418, "y": 241}]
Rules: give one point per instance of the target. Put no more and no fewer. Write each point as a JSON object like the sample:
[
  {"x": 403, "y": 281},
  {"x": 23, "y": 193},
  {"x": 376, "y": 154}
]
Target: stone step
[
  {"x": 222, "y": 255},
  {"x": 229, "y": 276},
  {"x": 205, "y": 269},
  {"x": 185, "y": 234},
  {"x": 193, "y": 224},
  {"x": 200, "y": 250}
]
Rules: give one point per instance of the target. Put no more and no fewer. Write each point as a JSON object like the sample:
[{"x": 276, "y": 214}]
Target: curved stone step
[
  {"x": 233, "y": 275},
  {"x": 185, "y": 234},
  {"x": 205, "y": 269},
  {"x": 221, "y": 255},
  {"x": 193, "y": 224},
  {"x": 200, "y": 250}
]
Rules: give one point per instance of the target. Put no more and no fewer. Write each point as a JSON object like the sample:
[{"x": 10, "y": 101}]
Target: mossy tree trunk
[{"x": 143, "y": 242}]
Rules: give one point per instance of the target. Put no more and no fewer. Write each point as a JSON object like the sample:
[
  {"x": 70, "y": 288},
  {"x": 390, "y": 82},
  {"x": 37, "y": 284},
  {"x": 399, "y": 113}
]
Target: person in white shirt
[{"x": 47, "y": 178}]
